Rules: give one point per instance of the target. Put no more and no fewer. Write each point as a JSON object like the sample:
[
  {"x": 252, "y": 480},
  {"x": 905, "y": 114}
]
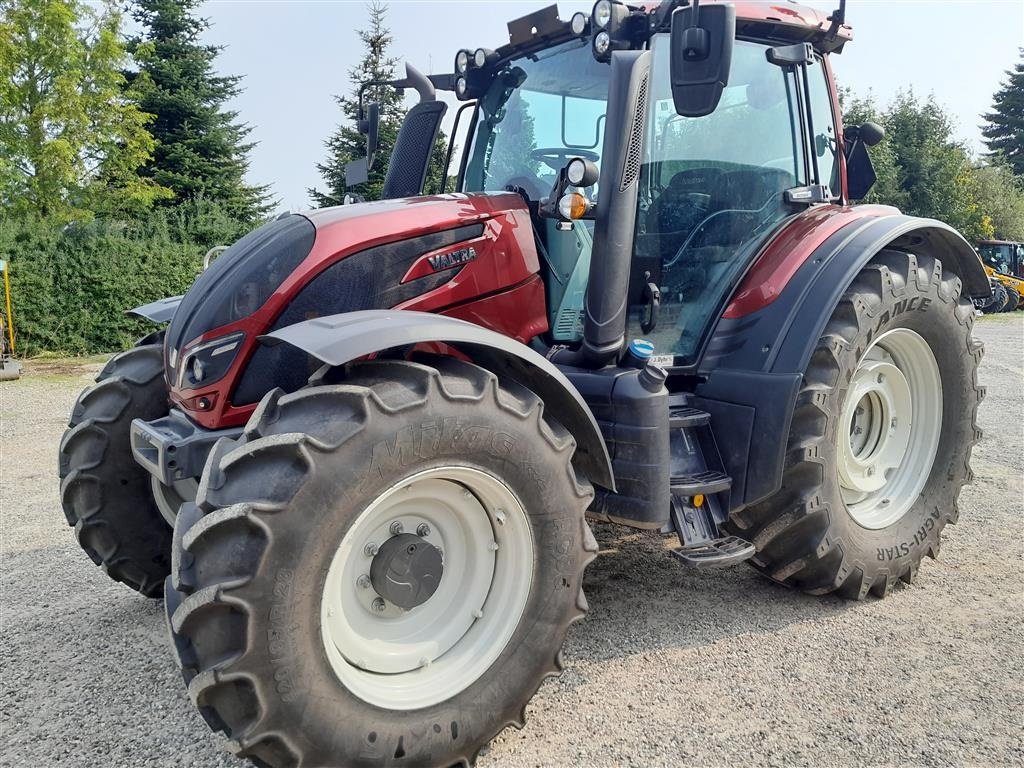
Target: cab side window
[{"x": 824, "y": 141}]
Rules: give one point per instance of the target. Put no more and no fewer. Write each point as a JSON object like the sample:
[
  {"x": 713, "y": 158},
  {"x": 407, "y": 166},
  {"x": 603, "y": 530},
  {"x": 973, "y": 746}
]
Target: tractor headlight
[
  {"x": 461, "y": 87},
  {"x": 602, "y": 13},
  {"x": 484, "y": 56},
  {"x": 581, "y": 173},
  {"x": 208, "y": 362},
  {"x": 461, "y": 62},
  {"x": 602, "y": 43},
  {"x": 579, "y": 23}
]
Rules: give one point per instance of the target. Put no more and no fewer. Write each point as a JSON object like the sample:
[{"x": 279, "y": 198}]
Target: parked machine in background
[
  {"x": 10, "y": 368},
  {"x": 360, "y": 457},
  {"x": 1004, "y": 263}
]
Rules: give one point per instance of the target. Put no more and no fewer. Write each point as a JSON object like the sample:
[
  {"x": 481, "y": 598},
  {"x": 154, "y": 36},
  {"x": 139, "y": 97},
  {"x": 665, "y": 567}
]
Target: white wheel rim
[
  {"x": 169, "y": 497},
  {"x": 889, "y": 428},
  {"x": 404, "y": 660}
]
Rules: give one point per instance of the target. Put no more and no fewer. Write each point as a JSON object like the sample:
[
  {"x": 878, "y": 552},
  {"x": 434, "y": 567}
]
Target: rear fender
[
  {"x": 340, "y": 339},
  {"x": 754, "y": 362}
]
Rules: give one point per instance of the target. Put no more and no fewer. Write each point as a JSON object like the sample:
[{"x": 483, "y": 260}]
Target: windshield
[
  {"x": 535, "y": 117},
  {"x": 711, "y": 189},
  {"x": 997, "y": 255}
]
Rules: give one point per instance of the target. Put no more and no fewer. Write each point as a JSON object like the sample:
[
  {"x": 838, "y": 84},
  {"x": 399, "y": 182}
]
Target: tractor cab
[
  {"x": 719, "y": 163},
  {"x": 1003, "y": 256}
]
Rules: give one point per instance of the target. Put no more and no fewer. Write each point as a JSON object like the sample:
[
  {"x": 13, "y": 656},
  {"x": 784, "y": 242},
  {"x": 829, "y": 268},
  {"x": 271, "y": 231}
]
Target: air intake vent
[
  {"x": 635, "y": 150},
  {"x": 569, "y": 324}
]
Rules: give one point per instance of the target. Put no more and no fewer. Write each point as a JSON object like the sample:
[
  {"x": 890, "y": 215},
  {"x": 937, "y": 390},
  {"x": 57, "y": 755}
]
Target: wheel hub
[
  {"x": 888, "y": 431},
  {"x": 877, "y": 412},
  {"x": 409, "y": 620},
  {"x": 406, "y": 570}
]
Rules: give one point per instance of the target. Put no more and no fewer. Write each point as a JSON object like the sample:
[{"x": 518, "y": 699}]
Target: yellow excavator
[
  {"x": 9, "y": 367},
  {"x": 1004, "y": 263}
]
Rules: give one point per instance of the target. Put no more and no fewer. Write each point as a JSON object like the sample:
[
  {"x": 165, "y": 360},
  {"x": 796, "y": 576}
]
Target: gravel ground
[{"x": 671, "y": 667}]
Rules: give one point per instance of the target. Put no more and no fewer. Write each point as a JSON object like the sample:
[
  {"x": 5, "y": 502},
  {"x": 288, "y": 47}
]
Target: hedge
[{"x": 71, "y": 285}]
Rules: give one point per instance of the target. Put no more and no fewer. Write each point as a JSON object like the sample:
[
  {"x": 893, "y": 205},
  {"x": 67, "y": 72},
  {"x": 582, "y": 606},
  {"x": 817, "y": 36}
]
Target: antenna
[{"x": 838, "y": 19}]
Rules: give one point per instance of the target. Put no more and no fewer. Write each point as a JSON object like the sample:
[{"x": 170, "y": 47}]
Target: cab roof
[{"x": 780, "y": 21}]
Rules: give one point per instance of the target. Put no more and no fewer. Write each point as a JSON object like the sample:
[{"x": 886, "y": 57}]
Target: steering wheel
[{"x": 555, "y": 158}]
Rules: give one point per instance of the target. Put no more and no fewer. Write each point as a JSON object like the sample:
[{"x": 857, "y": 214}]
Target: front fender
[
  {"x": 340, "y": 339},
  {"x": 158, "y": 312}
]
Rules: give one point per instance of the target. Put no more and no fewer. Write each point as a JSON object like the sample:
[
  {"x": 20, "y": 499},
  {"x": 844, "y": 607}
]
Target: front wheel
[
  {"x": 382, "y": 571},
  {"x": 122, "y": 516},
  {"x": 1012, "y": 300},
  {"x": 881, "y": 436}
]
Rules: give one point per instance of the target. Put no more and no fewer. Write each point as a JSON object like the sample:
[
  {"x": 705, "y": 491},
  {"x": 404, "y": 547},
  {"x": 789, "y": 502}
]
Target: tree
[
  {"x": 347, "y": 143},
  {"x": 200, "y": 150},
  {"x": 921, "y": 168},
  {"x": 1001, "y": 201},
  {"x": 72, "y": 139},
  {"x": 511, "y": 158},
  {"x": 1004, "y": 133},
  {"x": 886, "y": 190}
]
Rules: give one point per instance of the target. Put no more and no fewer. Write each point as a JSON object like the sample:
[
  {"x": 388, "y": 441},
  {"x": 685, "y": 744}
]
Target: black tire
[
  {"x": 105, "y": 494},
  {"x": 805, "y": 535},
  {"x": 272, "y": 509},
  {"x": 1012, "y": 300},
  {"x": 998, "y": 300}
]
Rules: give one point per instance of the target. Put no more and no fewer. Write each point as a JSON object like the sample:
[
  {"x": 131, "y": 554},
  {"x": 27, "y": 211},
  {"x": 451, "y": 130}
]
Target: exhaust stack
[{"x": 604, "y": 329}]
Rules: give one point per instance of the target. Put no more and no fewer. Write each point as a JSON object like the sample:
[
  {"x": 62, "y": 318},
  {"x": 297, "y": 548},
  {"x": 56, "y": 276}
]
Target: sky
[{"x": 295, "y": 56}]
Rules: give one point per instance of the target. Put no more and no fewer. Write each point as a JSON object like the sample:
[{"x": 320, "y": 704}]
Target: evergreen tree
[
  {"x": 1004, "y": 133},
  {"x": 201, "y": 150},
  {"x": 346, "y": 143},
  {"x": 70, "y": 140},
  {"x": 510, "y": 158}
]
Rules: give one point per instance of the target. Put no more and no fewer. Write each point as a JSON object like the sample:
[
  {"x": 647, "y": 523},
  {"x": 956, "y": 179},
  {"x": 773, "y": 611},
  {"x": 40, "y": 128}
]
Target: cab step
[
  {"x": 684, "y": 417},
  {"x": 717, "y": 553},
  {"x": 705, "y": 482}
]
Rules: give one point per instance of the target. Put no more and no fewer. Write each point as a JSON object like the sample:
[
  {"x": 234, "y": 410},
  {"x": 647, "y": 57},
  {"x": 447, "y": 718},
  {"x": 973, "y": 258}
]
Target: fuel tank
[{"x": 470, "y": 256}]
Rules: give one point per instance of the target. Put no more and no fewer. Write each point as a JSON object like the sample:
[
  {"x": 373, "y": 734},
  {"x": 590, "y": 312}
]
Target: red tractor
[{"x": 360, "y": 458}]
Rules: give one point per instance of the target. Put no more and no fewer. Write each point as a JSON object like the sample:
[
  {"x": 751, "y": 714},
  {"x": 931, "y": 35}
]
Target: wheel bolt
[
  {"x": 422, "y": 529},
  {"x": 493, "y": 546},
  {"x": 396, "y": 528},
  {"x": 363, "y": 582},
  {"x": 869, "y": 471},
  {"x": 379, "y": 605},
  {"x": 858, "y": 430},
  {"x": 881, "y": 378},
  {"x": 892, "y": 424},
  {"x": 499, "y": 515},
  {"x": 371, "y": 549}
]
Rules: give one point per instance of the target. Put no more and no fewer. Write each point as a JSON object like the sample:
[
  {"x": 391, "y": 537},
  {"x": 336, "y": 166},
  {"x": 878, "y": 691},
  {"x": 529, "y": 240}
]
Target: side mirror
[
  {"x": 701, "y": 56},
  {"x": 870, "y": 133},
  {"x": 860, "y": 175},
  {"x": 369, "y": 127}
]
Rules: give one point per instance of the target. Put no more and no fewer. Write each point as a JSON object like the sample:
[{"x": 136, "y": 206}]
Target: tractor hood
[{"x": 419, "y": 253}]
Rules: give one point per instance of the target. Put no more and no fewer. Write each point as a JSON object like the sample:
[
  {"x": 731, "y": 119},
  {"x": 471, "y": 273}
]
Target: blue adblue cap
[{"x": 641, "y": 348}]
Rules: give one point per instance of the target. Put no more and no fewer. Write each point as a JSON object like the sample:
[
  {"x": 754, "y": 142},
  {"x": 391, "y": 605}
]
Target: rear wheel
[
  {"x": 881, "y": 436},
  {"x": 998, "y": 300},
  {"x": 122, "y": 518},
  {"x": 1012, "y": 300},
  {"x": 380, "y": 572}
]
